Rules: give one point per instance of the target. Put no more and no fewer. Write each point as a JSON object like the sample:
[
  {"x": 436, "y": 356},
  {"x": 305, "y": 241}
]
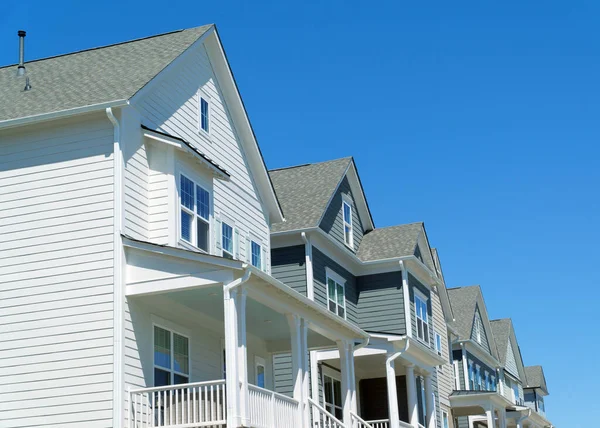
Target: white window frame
[
  {"x": 445, "y": 419},
  {"x": 225, "y": 221},
  {"x": 339, "y": 280},
  {"x": 260, "y": 362},
  {"x": 438, "y": 341},
  {"x": 195, "y": 216},
  {"x": 325, "y": 372},
  {"x": 202, "y": 95},
  {"x": 261, "y": 264},
  {"x": 172, "y": 372},
  {"x": 472, "y": 376},
  {"x": 425, "y": 300},
  {"x": 350, "y": 241}
]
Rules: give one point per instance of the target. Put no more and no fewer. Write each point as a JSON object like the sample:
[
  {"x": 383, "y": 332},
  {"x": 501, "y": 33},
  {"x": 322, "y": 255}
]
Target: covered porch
[
  {"x": 393, "y": 380},
  {"x": 484, "y": 409},
  {"x": 203, "y": 331}
]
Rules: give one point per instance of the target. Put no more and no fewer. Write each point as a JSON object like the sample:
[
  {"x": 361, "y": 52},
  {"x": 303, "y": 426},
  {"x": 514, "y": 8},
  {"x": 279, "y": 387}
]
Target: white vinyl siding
[
  {"x": 172, "y": 106},
  {"x": 56, "y": 274}
]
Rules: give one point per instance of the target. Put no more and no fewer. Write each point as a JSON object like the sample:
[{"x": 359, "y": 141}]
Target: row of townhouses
[{"x": 154, "y": 273}]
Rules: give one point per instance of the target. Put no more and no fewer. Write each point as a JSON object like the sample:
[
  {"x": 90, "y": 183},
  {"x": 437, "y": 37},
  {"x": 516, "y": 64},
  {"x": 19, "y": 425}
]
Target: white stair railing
[
  {"x": 191, "y": 405},
  {"x": 380, "y": 423},
  {"x": 358, "y": 422},
  {"x": 322, "y": 418},
  {"x": 269, "y": 409}
]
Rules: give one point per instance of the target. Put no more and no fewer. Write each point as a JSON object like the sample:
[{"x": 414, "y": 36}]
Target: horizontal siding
[
  {"x": 282, "y": 369},
  {"x": 445, "y": 373},
  {"x": 333, "y": 219},
  {"x": 288, "y": 265},
  {"x": 172, "y": 107},
  {"x": 320, "y": 264},
  {"x": 158, "y": 196},
  {"x": 478, "y": 330},
  {"x": 135, "y": 197},
  {"x": 381, "y": 303},
  {"x": 56, "y": 274}
]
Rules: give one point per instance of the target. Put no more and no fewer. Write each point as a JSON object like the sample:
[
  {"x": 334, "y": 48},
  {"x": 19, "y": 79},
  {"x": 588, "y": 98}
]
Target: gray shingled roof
[
  {"x": 89, "y": 77},
  {"x": 464, "y": 301},
  {"x": 304, "y": 192},
  {"x": 390, "y": 242},
  {"x": 501, "y": 331},
  {"x": 535, "y": 377}
]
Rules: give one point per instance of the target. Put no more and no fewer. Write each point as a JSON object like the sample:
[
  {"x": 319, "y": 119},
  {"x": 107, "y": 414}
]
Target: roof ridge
[
  {"x": 398, "y": 225},
  {"x": 311, "y": 164},
  {"x": 106, "y": 46}
]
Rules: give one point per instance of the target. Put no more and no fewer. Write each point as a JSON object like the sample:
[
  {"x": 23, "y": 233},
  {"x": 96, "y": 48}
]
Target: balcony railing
[
  {"x": 190, "y": 405},
  {"x": 269, "y": 409}
]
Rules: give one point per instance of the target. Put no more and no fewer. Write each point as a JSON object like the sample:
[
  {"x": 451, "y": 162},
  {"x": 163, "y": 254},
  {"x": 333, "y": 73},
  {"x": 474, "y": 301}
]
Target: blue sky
[{"x": 479, "y": 118}]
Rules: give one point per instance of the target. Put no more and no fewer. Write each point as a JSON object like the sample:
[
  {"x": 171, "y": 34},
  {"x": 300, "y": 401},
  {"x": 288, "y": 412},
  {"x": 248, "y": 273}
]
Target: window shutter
[
  {"x": 263, "y": 259},
  {"x": 218, "y": 233},
  {"x": 248, "y": 249},
  {"x": 236, "y": 243}
]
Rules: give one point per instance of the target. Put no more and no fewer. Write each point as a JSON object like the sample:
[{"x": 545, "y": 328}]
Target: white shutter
[
  {"x": 236, "y": 243},
  {"x": 248, "y": 249},
  {"x": 218, "y": 233}
]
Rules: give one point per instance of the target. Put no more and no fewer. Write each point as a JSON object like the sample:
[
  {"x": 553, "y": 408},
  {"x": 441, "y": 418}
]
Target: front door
[{"x": 374, "y": 401}]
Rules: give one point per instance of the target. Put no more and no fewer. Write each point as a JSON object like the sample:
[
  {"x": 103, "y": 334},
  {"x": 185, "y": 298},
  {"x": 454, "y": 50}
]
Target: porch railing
[
  {"x": 269, "y": 409},
  {"x": 358, "y": 422},
  {"x": 190, "y": 405},
  {"x": 385, "y": 423},
  {"x": 322, "y": 418}
]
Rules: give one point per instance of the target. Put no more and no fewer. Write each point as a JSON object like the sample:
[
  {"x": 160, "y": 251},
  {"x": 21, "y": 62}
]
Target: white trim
[
  {"x": 346, "y": 201},
  {"x": 119, "y": 269},
  {"x": 197, "y": 182},
  {"x": 173, "y": 329},
  {"x": 406, "y": 298},
  {"x": 338, "y": 280},
  {"x": 335, "y": 376},
  {"x": 436, "y": 335},
  {"x": 203, "y": 95},
  {"x": 419, "y": 295},
  {"x": 310, "y": 280}
]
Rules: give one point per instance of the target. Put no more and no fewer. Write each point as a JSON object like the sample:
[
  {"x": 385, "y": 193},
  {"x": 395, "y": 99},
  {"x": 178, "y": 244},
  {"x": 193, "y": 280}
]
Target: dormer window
[
  {"x": 348, "y": 232},
  {"x": 195, "y": 213},
  {"x": 204, "y": 112}
]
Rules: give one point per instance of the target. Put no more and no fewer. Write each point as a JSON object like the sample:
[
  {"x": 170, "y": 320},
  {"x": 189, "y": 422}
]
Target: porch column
[
  {"x": 429, "y": 402},
  {"x": 392, "y": 392},
  {"x": 231, "y": 357},
  {"x": 411, "y": 389},
  {"x": 243, "y": 357},
  {"x": 305, "y": 373},
  {"x": 295, "y": 323},
  {"x": 502, "y": 417},
  {"x": 346, "y": 350},
  {"x": 489, "y": 414}
]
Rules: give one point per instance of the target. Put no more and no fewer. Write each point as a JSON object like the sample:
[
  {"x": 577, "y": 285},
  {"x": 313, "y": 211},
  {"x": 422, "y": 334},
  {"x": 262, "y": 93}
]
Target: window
[
  {"x": 333, "y": 396},
  {"x": 204, "y": 114},
  {"x": 445, "y": 420},
  {"x": 478, "y": 380},
  {"x": 487, "y": 384},
  {"x": 515, "y": 388},
  {"x": 492, "y": 383},
  {"x": 540, "y": 405},
  {"x": 471, "y": 376},
  {"x": 195, "y": 213},
  {"x": 347, "y": 213},
  {"x": 421, "y": 314},
  {"x": 336, "y": 294},
  {"x": 259, "y": 366},
  {"x": 171, "y": 358},
  {"x": 256, "y": 255},
  {"x": 227, "y": 240},
  {"x": 438, "y": 344}
]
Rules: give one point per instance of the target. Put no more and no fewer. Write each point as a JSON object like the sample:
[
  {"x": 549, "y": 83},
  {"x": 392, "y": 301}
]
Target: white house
[{"x": 135, "y": 214}]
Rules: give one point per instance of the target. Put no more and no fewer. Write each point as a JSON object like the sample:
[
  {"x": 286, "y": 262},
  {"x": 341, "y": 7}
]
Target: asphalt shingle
[
  {"x": 90, "y": 77},
  {"x": 501, "y": 331},
  {"x": 535, "y": 377},
  {"x": 390, "y": 242}
]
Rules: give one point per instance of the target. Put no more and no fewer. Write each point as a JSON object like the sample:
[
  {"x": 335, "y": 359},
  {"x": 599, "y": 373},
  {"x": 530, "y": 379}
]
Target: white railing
[
  {"x": 190, "y": 405},
  {"x": 269, "y": 409},
  {"x": 322, "y": 418},
  {"x": 385, "y": 423},
  {"x": 358, "y": 422}
]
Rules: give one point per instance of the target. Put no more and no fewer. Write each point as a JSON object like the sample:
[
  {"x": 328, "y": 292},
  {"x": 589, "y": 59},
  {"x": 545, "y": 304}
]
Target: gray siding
[
  {"x": 478, "y": 326},
  {"x": 511, "y": 362},
  {"x": 415, "y": 284},
  {"x": 462, "y": 422},
  {"x": 282, "y": 374},
  {"x": 381, "y": 303},
  {"x": 320, "y": 263},
  {"x": 333, "y": 220},
  {"x": 484, "y": 367},
  {"x": 288, "y": 266}
]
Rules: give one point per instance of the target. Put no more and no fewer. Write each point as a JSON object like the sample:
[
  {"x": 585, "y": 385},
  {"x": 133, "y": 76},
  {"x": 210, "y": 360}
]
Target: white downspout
[
  {"x": 310, "y": 285},
  {"x": 390, "y": 372},
  {"x": 118, "y": 276},
  {"x": 406, "y": 296},
  {"x": 522, "y": 418}
]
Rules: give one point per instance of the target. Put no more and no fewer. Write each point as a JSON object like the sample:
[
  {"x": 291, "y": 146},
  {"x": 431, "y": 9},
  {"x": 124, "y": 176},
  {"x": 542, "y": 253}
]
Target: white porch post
[
  {"x": 295, "y": 323},
  {"x": 231, "y": 357},
  {"x": 305, "y": 372},
  {"x": 243, "y": 357},
  {"x": 489, "y": 414},
  {"x": 392, "y": 392},
  {"x": 411, "y": 389},
  {"x": 346, "y": 354},
  {"x": 429, "y": 402}
]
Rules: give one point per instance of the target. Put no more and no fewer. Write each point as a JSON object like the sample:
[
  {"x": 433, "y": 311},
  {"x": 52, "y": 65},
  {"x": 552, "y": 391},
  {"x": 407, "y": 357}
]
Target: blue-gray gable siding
[
  {"x": 485, "y": 343},
  {"x": 320, "y": 263},
  {"x": 484, "y": 367},
  {"x": 415, "y": 284},
  {"x": 288, "y": 265},
  {"x": 381, "y": 303},
  {"x": 333, "y": 220}
]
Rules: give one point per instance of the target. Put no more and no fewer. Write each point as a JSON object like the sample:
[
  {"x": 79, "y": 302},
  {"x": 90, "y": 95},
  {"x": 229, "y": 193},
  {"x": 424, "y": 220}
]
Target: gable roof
[
  {"x": 305, "y": 191},
  {"x": 506, "y": 341},
  {"x": 465, "y": 301},
  {"x": 535, "y": 378},
  {"x": 93, "y": 76},
  {"x": 390, "y": 242}
]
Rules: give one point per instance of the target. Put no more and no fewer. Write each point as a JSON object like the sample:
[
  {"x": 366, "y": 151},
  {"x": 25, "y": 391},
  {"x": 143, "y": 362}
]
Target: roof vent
[
  {"x": 21, "y": 69},
  {"x": 27, "y": 85}
]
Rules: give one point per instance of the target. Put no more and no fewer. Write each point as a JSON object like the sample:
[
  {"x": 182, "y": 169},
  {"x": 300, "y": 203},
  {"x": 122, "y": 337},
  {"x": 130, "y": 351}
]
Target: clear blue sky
[{"x": 479, "y": 118}]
